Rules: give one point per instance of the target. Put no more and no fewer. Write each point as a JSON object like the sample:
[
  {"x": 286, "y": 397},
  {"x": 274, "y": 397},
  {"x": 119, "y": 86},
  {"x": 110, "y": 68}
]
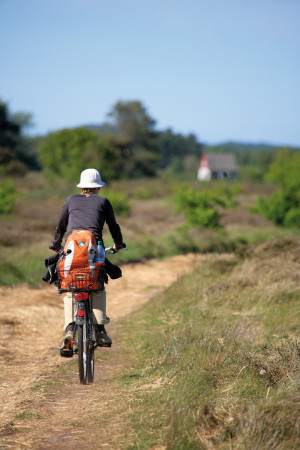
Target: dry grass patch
[{"x": 224, "y": 341}]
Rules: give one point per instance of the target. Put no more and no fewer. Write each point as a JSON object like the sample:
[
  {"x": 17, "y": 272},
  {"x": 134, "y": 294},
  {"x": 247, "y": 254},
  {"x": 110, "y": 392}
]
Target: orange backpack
[{"x": 77, "y": 269}]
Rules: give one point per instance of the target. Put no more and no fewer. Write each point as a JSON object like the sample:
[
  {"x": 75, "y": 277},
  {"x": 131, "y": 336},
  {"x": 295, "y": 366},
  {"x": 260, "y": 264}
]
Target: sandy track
[{"x": 37, "y": 412}]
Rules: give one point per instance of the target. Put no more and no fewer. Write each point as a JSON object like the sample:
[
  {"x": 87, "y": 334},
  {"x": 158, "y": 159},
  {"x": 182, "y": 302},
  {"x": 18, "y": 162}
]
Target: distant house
[{"x": 217, "y": 166}]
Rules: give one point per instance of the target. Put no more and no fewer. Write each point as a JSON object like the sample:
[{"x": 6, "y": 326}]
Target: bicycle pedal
[
  {"x": 103, "y": 345},
  {"x": 66, "y": 352}
]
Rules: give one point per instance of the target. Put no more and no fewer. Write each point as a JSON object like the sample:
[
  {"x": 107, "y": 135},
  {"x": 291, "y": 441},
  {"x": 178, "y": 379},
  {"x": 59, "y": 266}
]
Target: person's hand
[{"x": 117, "y": 248}]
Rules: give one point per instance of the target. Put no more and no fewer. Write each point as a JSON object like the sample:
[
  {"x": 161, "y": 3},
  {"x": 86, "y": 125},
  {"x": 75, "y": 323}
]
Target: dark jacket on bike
[{"x": 81, "y": 212}]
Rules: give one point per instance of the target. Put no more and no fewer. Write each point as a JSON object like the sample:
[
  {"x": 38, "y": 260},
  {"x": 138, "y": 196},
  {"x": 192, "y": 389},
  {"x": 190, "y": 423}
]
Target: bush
[
  {"x": 202, "y": 208},
  {"x": 119, "y": 203},
  {"x": 273, "y": 208},
  {"x": 7, "y": 197},
  {"x": 282, "y": 207},
  {"x": 292, "y": 218}
]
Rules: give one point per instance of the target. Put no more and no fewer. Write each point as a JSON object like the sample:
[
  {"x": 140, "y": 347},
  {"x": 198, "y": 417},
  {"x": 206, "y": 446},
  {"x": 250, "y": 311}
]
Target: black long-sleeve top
[{"x": 81, "y": 212}]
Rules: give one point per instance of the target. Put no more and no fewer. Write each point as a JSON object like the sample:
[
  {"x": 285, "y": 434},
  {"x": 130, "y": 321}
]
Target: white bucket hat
[{"x": 90, "y": 178}]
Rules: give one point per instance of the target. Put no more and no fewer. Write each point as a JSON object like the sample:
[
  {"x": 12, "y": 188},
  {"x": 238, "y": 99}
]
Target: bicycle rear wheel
[{"x": 82, "y": 353}]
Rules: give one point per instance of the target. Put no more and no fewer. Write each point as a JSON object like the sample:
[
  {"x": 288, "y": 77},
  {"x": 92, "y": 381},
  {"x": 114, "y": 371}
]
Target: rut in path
[{"x": 42, "y": 403}]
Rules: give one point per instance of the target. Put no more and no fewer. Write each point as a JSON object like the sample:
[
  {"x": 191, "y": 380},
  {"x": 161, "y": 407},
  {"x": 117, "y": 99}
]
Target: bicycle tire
[
  {"x": 91, "y": 348},
  {"x": 90, "y": 365},
  {"x": 82, "y": 353}
]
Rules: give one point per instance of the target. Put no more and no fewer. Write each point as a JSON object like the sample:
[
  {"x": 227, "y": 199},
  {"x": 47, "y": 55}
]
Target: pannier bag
[{"x": 77, "y": 269}]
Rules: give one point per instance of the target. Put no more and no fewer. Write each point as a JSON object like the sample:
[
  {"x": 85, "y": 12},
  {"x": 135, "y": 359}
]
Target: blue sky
[{"x": 221, "y": 69}]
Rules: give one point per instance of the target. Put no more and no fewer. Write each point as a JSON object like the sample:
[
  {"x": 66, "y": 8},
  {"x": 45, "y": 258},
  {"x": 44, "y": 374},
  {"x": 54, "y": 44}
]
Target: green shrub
[
  {"x": 273, "y": 208},
  {"x": 292, "y": 217},
  {"x": 282, "y": 207},
  {"x": 119, "y": 203},
  {"x": 203, "y": 207},
  {"x": 8, "y": 195}
]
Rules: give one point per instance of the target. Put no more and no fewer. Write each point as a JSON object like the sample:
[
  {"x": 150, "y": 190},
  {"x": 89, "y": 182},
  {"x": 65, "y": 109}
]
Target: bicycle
[{"x": 84, "y": 338}]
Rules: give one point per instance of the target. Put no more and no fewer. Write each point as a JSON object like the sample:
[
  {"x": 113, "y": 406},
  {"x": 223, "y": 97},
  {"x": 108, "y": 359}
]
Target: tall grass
[{"x": 217, "y": 357}]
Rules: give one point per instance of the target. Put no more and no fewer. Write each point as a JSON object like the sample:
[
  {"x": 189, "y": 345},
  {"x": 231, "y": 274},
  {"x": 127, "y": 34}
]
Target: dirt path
[{"x": 42, "y": 403}]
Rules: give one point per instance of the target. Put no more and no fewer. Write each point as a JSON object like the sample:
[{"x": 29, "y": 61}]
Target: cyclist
[{"x": 88, "y": 211}]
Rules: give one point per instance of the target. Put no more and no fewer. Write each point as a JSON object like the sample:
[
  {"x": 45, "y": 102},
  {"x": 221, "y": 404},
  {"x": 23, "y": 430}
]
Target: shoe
[
  {"x": 67, "y": 349},
  {"x": 102, "y": 338}
]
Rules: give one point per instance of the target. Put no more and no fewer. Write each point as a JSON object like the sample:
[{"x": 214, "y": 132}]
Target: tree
[
  {"x": 284, "y": 171},
  {"x": 177, "y": 152},
  {"x": 132, "y": 121},
  {"x": 15, "y": 154},
  {"x": 65, "y": 153},
  {"x": 133, "y": 136}
]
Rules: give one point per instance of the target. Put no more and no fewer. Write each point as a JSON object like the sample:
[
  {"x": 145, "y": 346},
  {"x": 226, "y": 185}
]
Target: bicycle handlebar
[
  {"x": 111, "y": 249},
  {"x": 107, "y": 250}
]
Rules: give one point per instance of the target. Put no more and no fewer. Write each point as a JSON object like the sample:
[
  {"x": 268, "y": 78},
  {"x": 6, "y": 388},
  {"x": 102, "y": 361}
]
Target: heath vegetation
[
  {"x": 216, "y": 358},
  {"x": 213, "y": 362}
]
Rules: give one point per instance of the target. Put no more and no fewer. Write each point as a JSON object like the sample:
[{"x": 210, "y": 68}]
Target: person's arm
[
  {"x": 61, "y": 227},
  {"x": 114, "y": 228}
]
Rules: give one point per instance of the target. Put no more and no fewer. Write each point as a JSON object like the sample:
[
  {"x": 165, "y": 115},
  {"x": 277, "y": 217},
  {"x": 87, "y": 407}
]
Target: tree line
[{"x": 128, "y": 145}]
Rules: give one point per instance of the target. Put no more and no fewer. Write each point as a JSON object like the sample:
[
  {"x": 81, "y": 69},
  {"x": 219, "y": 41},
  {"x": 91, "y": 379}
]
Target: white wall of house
[{"x": 204, "y": 174}]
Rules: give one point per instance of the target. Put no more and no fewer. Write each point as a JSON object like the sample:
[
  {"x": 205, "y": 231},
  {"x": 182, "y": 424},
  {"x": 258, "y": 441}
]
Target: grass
[
  {"x": 152, "y": 229},
  {"x": 184, "y": 240},
  {"x": 216, "y": 360},
  {"x": 22, "y": 264},
  {"x": 48, "y": 386},
  {"x": 28, "y": 416}
]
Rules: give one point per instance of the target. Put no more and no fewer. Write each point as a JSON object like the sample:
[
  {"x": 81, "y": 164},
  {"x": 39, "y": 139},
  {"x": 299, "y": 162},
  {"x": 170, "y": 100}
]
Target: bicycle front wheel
[
  {"x": 90, "y": 365},
  {"x": 82, "y": 353}
]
